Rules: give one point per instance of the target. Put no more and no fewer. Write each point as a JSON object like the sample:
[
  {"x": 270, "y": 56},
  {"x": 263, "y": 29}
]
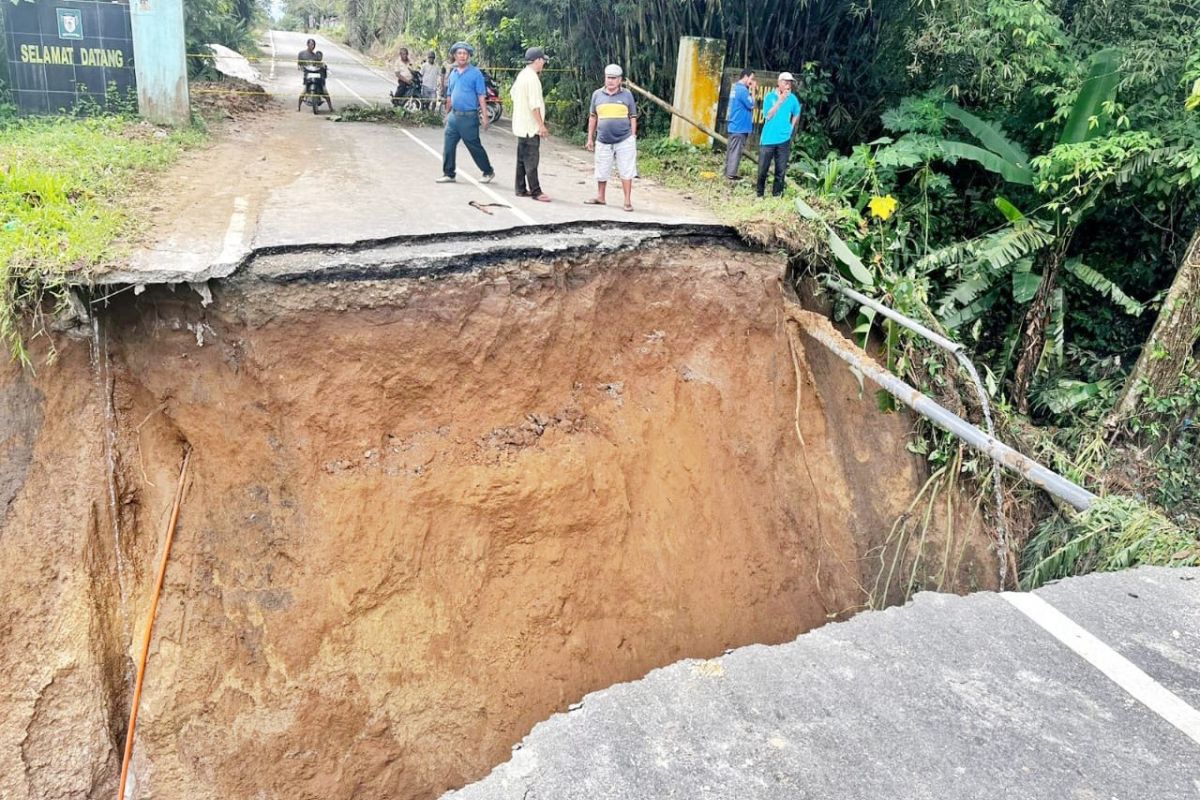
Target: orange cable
[{"x": 141, "y": 673}]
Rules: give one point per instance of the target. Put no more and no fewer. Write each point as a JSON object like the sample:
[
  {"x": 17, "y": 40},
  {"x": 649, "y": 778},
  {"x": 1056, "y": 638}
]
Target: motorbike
[
  {"x": 315, "y": 92},
  {"x": 408, "y": 95},
  {"x": 495, "y": 106}
]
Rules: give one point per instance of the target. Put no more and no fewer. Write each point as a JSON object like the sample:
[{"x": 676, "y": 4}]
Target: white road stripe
[
  {"x": 1119, "y": 669},
  {"x": 351, "y": 91},
  {"x": 521, "y": 215},
  {"x": 232, "y": 248},
  {"x": 369, "y": 67}
]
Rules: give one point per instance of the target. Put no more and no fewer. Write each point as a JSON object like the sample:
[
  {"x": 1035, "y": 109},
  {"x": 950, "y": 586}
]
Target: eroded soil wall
[{"x": 422, "y": 516}]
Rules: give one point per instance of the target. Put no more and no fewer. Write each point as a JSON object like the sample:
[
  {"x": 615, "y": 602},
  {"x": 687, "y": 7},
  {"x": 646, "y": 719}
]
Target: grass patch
[
  {"x": 770, "y": 222},
  {"x": 1116, "y": 533},
  {"x": 63, "y": 182}
]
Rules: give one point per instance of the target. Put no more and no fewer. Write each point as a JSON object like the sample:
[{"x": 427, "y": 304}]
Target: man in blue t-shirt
[
  {"x": 740, "y": 121},
  {"x": 466, "y": 111},
  {"x": 781, "y": 112}
]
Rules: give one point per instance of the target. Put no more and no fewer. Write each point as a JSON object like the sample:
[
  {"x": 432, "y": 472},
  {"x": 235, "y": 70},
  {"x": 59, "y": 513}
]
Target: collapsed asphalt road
[{"x": 1087, "y": 688}]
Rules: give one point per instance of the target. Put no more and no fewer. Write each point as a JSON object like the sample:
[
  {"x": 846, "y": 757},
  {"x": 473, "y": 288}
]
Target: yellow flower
[
  {"x": 883, "y": 207},
  {"x": 708, "y": 176}
]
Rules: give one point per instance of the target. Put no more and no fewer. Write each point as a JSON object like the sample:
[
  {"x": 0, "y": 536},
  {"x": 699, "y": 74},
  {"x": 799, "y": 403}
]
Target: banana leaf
[
  {"x": 1010, "y": 171},
  {"x": 1099, "y": 88},
  {"x": 989, "y": 134}
]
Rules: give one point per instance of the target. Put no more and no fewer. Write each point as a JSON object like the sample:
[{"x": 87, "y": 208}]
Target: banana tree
[{"x": 1032, "y": 250}]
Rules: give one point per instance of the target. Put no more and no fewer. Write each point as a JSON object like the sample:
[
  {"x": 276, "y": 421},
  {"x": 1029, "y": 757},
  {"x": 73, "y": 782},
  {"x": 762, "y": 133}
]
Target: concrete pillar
[
  {"x": 697, "y": 87},
  {"x": 160, "y": 61}
]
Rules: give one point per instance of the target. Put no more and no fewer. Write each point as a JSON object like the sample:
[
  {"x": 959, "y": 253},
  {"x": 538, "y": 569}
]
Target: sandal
[
  {"x": 628, "y": 207},
  {"x": 541, "y": 198},
  {"x": 594, "y": 201}
]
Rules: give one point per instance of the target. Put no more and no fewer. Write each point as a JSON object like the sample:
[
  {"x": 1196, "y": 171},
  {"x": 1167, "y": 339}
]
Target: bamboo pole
[
  {"x": 673, "y": 110},
  {"x": 141, "y": 673}
]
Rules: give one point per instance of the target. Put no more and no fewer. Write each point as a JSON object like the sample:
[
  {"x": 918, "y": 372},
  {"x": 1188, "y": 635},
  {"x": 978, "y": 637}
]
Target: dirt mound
[
  {"x": 229, "y": 97},
  {"x": 423, "y": 515}
]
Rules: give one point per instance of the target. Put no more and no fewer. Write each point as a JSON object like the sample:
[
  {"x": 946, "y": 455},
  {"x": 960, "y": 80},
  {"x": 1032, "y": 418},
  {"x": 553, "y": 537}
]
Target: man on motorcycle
[
  {"x": 405, "y": 75},
  {"x": 312, "y": 57}
]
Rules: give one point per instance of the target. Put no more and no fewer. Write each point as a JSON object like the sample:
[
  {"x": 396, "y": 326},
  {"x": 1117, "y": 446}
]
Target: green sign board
[{"x": 67, "y": 55}]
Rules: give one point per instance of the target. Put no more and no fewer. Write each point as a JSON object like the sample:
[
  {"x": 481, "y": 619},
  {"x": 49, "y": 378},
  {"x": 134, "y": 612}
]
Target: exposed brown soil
[
  {"x": 230, "y": 97},
  {"x": 422, "y": 516}
]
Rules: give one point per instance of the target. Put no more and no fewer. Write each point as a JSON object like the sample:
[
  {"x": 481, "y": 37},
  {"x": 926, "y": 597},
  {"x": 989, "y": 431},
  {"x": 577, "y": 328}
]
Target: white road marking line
[
  {"x": 1117, "y": 668},
  {"x": 351, "y": 91},
  {"x": 232, "y": 248},
  {"x": 521, "y": 215},
  {"x": 369, "y": 67}
]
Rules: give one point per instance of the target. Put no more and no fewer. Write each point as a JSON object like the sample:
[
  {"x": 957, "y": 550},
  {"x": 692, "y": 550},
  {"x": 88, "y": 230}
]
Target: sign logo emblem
[{"x": 70, "y": 23}]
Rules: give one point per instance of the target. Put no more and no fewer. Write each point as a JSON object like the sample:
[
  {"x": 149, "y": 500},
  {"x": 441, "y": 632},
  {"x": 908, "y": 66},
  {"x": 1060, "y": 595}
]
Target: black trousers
[
  {"x": 777, "y": 153},
  {"x": 529, "y": 154}
]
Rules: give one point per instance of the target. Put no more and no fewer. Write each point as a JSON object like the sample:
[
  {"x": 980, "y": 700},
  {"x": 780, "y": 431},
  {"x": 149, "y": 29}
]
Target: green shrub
[
  {"x": 1115, "y": 533},
  {"x": 62, "y": 185}
]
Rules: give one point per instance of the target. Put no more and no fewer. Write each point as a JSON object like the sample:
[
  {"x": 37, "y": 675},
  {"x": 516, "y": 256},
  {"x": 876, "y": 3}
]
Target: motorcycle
[
  {"x": 315, "y": 92},
  {"x": 408, "y": 94},
  {"x": 495, "y": 106}
]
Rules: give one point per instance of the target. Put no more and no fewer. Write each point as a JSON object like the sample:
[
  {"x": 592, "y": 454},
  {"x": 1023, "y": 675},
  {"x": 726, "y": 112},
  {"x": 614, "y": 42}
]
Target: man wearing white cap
[
  {"x": 612, "y": 134},
  {"x": 781, "y": 112}
]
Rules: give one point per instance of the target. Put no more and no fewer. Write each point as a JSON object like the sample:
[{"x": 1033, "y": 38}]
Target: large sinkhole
[{"x": 422, "y": 515}]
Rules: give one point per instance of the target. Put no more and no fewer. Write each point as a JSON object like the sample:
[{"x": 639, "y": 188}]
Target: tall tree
[{"x": 1172, "y": 344}]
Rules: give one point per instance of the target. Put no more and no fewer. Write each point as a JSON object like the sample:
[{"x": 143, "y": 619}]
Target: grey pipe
[
  {"x": 1067, "y": 491},
  {"x": 960, "y": 354}
]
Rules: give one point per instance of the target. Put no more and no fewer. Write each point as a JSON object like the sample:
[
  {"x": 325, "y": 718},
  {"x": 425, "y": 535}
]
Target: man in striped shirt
[{"x": 612, "y": 134}]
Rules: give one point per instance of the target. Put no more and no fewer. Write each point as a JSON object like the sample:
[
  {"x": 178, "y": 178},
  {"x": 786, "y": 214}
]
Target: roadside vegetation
[
  {"x": 65, "y": 183},
  {"x": 388, "y": 114}
]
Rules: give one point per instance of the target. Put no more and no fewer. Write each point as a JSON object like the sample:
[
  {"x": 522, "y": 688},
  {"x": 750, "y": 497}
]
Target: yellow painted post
[{"x": 697, "y": 87}]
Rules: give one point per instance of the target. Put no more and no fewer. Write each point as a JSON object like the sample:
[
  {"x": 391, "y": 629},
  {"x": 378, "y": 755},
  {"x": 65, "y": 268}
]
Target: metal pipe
[
  {"x": 819, "y": 328},
  {"x": 960, "y": 354},
  {"x": 670, "y": 109},
  {"x": 895, "y": 316}
]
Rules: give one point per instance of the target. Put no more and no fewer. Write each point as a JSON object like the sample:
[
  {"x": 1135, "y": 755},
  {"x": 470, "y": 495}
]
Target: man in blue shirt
[
  {"x": 466, "y": 110},
  {"x": 740, "y": 121},
  {"x": 781, "y": 112}
]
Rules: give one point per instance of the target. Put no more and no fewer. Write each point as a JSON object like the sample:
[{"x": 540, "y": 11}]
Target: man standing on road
[
  {"x": 612, "y": 134},
  {"x": 529, "y": 124},
  {"x": 431, "y": 76},
  {"x": 466, "y": 112},
  {"x": 781, "y": 112},
  {"x": 741, "y": 121}
]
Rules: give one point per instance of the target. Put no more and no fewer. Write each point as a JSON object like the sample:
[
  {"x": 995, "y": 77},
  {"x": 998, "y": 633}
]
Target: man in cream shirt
[{"x": 529, "y": 124}]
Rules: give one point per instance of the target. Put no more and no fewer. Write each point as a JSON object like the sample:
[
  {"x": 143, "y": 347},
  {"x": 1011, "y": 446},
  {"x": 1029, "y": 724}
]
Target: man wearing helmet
[{"x": 466, "y": 111}]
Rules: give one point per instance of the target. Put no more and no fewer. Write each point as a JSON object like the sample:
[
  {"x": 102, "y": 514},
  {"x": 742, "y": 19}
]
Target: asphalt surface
[
  {"x": 948, "y": 697},
  {"x": 338, "y": 183}
]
